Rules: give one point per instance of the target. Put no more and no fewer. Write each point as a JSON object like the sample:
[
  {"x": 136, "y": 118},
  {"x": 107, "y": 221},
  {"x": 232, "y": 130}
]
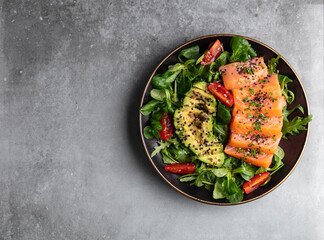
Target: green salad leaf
[
  {"x": 161, "y": 145},
  {"x": 283, "y": 81},
  {"x": 272, "y": 64},
  {"x": 189, "y": 53},
  {"x": 223, "y": 113},
  {"x": 242, "y": 50},
  {"x": 162, "y": 81},
  {"x": 150, "y": 107},
  {"x": 295, "y": 125}
]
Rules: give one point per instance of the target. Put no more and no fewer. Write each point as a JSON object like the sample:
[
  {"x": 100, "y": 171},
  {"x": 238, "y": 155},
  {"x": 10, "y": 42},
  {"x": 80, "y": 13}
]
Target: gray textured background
[{"x": 71, "y": 76}]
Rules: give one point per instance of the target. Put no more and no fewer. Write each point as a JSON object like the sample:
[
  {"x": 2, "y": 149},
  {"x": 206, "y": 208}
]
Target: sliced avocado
[
  {"x": 194, "y": 125},
  {"x": 201, "y": 85}
]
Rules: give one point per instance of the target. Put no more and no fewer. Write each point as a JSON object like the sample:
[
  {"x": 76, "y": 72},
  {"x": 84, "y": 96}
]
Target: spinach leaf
[
  {"x": 242, "y": 50},
  {"x": 189, "y": 53},
  {"x": 261, "y": 170},
  {"x": 218, "y": 192},
  {"x": 233, "y": 192},
  {"x": 162, "y": 81},
  {"x": 155, "y": 124},
  {"x": 221, "y": 60},
  {"x": 150, "y": 107},
  {"x": 280, "y": 152},
  {"x": 278, "y": 163},
  {"x": 246, "y": 170},
  {"x": 272, "y": 64},
  {"x": 223, "y": 114},
  {"x": 158, "y": 94},
  {"x": 219, "y": 172},
  {"x": 184, "y": 85},
  {"x": 157, "y": 115},
  {"x": 149, "y": 132}
]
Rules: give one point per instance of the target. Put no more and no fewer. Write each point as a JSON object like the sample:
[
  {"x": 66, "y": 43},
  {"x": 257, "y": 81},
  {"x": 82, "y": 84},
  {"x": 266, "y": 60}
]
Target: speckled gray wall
[{"x": 71, "y": 162}]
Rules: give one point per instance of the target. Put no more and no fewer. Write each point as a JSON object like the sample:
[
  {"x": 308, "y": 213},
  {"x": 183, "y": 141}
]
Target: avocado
[{"x": 194, "y": 125}]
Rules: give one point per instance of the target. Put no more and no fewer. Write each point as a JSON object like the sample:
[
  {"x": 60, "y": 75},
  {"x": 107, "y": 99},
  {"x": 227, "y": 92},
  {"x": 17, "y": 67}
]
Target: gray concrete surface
[{"x": 72, "y": 165}]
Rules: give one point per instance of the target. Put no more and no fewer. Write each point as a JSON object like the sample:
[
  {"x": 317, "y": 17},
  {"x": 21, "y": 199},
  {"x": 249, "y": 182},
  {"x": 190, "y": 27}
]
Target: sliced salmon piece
[
  {"x": 266, "y": 98},
  {"x": 267, "y": 144},
  {"x": 241, "y": 74},
  {"x": 268, "y": 127},
  {"x": 267, "y": 106},
  {"x": 259, "y": 159}
]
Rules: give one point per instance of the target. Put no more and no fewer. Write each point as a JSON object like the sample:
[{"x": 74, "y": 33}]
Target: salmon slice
[
  {"x": 256, "y": 125},
  {"x": 268, "y": 106},
  {"x": 259, "y": 159},
  {"x": 241, "y": 74},
  {"x": 255, "y": 141}
]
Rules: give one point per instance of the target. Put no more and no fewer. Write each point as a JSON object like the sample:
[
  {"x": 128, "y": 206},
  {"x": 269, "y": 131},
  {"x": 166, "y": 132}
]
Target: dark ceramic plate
[{"x": 293, "y": 146}]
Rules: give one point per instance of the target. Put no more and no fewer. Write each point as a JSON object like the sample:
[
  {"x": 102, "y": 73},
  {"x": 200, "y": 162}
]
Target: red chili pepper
[
  {"x": 255, "y": 182},
  {"x": 221, "y": 93},
  {"x": 180, "y": 168},
  {"x": 212, "y": 53},
  {"x": 167, "y": 126}
]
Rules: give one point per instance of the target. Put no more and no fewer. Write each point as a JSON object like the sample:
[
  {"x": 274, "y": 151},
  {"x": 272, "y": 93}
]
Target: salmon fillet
[
  {"x": 256, "y": 125},
  {"x": 257, "y": 113},
  {"x": 255, "y": 141},
  {"x": 242, "y": 74},
  {"x": 259, "y": 159}
]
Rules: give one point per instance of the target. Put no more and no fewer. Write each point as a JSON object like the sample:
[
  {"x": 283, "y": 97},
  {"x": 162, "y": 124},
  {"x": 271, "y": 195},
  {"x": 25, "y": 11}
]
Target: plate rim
[{"x": 141, "y": 127}]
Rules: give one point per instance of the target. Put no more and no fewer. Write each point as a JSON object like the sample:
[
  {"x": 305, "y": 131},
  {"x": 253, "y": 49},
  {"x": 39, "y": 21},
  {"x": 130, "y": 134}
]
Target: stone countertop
[{"x": 72, "y": 163}]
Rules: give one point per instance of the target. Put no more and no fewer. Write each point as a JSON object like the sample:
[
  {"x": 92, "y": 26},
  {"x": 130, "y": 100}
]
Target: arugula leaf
[
  {"x": 242, "y": 50},
  {"x": 294, "y": 126},
  {"x": 179, "y": 153},
  {"x": 286, "y": 113},
  {"x": 167, "y": 158},
  {"x": 162, "y": 145},
  {"x": 162, "y": 81},
  {"x": 189, "y": 53},
  {"x": 150, "y": 107},
  {"x": 188, "y": 177},
  {"x": 231, "y": 163},
  {"x": 283, "y": 81},
  {"x": 272, "y": 64}
]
